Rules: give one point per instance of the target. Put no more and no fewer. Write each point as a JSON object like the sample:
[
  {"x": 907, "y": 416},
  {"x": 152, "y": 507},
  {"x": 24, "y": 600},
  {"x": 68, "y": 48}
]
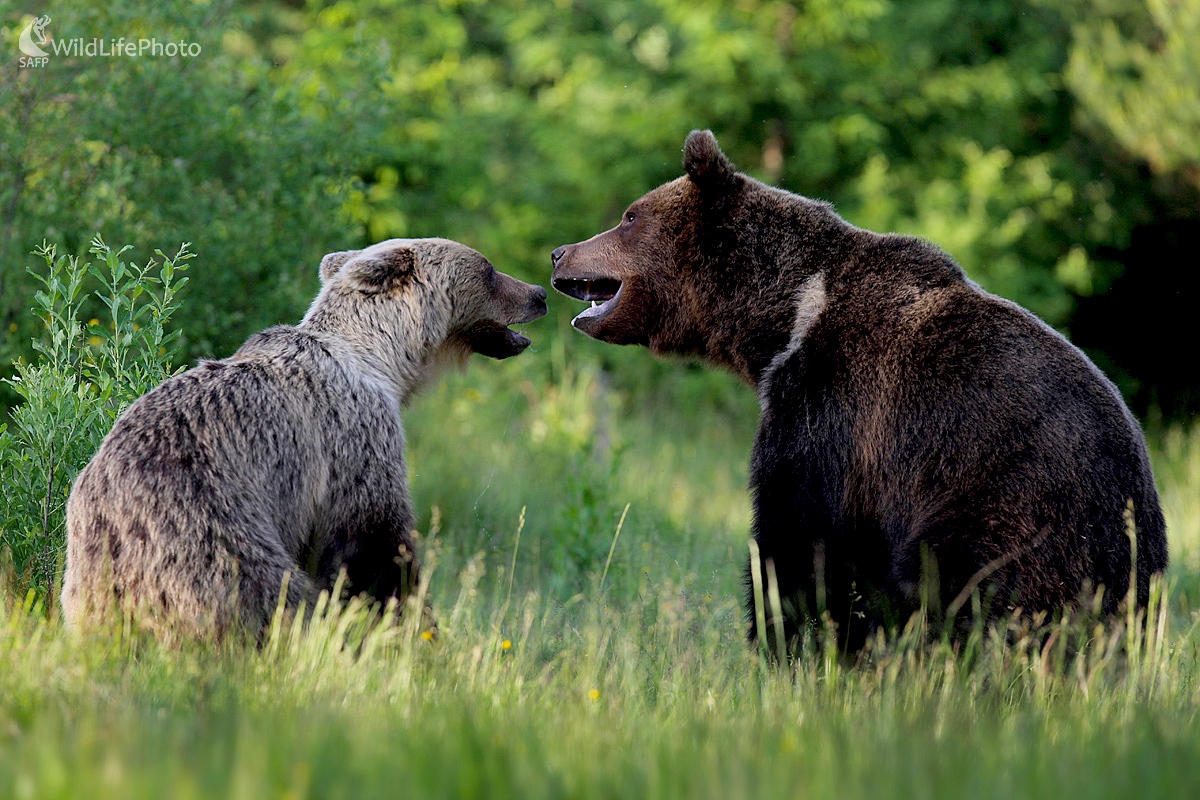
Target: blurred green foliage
[
  {"x": 146, "y": 149},
  {"x": 1044, "y": 145},
  {"x": 1135, "y": 68},
  {"x": 85, "y": 375}
]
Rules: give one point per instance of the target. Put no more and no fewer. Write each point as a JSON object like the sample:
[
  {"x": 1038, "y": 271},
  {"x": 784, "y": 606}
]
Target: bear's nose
[
  {"x": 540, "y": 293},
  {"x": 557, "y": 255}
]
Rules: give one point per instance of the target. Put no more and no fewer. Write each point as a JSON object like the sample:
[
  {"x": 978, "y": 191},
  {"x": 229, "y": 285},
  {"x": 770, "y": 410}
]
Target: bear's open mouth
[
  {"x": 606, "y": 291},
  {"x": 518, "y": 341},
  {"x": 494, "y": 339}
]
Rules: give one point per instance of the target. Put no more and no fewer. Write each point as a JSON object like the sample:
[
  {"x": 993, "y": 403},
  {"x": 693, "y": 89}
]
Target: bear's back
[
  {"x": 243, "y": 412},
  {"x": 920, "y": 408},
  {"x": 222, "y": 479}
]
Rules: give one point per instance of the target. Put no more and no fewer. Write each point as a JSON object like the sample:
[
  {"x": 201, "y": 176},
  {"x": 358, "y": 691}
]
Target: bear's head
[
  {"x": 705, "y": 265},
  {"x": 631, "y": 273},
  {"x": 425, "y": 298}
]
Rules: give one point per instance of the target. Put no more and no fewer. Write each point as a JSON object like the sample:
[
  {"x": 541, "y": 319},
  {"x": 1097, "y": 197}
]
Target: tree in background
[
  {"x": 1134, "y": 67},
  {"x": 516, "y": 126},
  {"x": 161, "y": 150}
]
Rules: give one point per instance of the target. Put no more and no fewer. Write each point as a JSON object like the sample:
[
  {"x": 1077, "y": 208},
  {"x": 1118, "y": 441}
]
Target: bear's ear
[
  {"x": 704, "y": 162},
  {"x": 332, "y": 262},
  {"x": 382, "y": 272}
]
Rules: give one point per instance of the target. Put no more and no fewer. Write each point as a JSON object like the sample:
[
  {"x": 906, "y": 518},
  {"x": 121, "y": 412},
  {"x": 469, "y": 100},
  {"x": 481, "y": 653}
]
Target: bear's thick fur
[
  {"x": 286, "y": 458},
  {"x": 908, "y": 418}
]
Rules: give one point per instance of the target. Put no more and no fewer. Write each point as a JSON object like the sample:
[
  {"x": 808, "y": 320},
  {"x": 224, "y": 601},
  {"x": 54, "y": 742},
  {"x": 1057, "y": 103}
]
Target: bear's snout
[
  {"x": 513, "y": 302},
  {"x": 522, "y": 302},
  {"x": 537, "y": 304}
]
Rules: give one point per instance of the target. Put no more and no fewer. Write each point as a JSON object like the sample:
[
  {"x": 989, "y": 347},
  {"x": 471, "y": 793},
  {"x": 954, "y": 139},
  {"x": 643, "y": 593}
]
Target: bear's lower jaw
[
  {"x": 589, "y": 319},
  {"x": 516, "y": 344},
  {"x": 494, "y": 340}
]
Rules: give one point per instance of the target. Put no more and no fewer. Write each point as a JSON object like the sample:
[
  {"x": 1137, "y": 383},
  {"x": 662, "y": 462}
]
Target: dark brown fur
[{"x": 908, "y": 417}]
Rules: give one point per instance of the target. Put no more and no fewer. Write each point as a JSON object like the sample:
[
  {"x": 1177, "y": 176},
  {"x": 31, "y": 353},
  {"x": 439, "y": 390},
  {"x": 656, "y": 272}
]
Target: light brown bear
[
  {"x": 908, "y": 416},
  {"x": 286, "y": 459}
]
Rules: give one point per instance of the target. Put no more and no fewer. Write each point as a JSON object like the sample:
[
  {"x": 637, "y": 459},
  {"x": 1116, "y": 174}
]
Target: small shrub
[{"x": 86, "y": 374}]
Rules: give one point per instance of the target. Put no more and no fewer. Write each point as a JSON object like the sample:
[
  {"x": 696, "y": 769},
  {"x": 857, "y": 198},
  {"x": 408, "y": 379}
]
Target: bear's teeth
[{"x": 593, "y": 304}]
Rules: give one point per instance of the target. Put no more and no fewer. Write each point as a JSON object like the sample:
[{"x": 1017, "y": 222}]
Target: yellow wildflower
[
  {"x": 427, "y": 635},
  {"x": 593, "y": 694},
  {"x": 506, "y": 644}
]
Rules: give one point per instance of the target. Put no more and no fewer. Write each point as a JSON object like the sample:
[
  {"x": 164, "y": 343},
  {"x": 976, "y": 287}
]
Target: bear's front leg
[
  {"x": 392, "y": 570},
  {"x": 378, "y": 556}
]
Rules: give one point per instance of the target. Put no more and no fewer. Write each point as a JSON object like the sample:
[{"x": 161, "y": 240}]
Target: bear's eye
[{"x": 629, "y": 218}]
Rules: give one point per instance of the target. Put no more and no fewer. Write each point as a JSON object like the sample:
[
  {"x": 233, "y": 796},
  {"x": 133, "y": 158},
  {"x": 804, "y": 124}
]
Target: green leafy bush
[
  {"x": 158, "y": 150},
  {"x": 87, "y": 373}
]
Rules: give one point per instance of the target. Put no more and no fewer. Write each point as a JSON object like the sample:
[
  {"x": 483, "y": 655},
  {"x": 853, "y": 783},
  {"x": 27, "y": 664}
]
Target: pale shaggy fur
[{"x": 286, "y": 459}]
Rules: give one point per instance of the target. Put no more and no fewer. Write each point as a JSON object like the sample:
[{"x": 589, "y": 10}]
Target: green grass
[{"x": 641, "y": 688}]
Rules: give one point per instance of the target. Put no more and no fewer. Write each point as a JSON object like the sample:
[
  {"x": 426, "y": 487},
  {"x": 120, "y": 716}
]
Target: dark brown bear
[{"x": 909, "y": 418}]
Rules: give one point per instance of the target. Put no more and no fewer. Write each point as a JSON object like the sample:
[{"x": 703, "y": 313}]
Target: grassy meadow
[
  {"x": 582, "y": 509},
  {"x": 586, "y": 550}
]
